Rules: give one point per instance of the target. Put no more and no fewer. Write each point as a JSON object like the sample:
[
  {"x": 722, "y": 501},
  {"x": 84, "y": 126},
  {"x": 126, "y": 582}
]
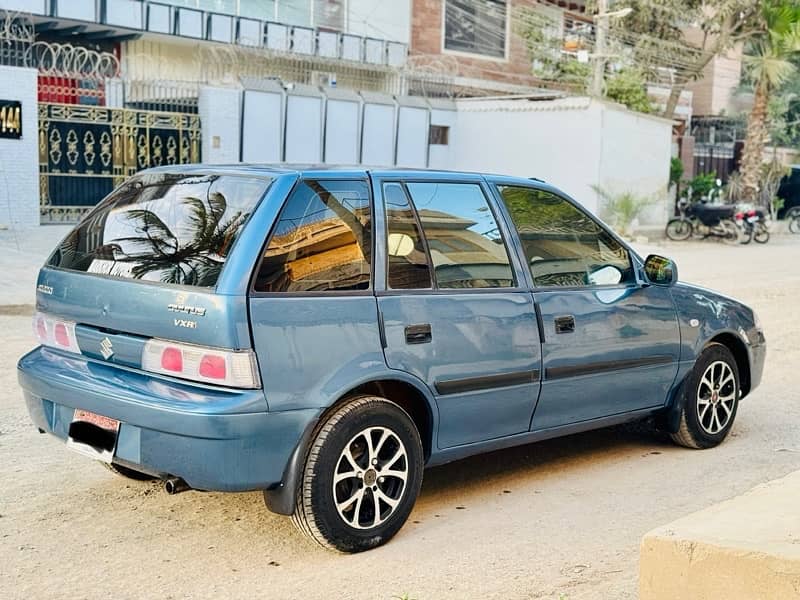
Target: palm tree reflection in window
[{"x": 197, "y": 261}]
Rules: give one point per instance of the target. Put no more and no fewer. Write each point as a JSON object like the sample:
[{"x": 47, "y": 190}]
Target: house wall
[
  {"x": 427, "y": 44},
  {"x": 19, "y": 159},
  {"x": 713, "y": 92},
  {"x": 385, "y": 20},
  {"x": 635, "y": 156},
  {"x": 573, "y": 144}
]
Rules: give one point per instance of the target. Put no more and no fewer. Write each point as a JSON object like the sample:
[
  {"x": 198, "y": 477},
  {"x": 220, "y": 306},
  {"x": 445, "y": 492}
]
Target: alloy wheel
[
  {"x": 716, "y": 397},
  {"x": 370, "y": 477}
]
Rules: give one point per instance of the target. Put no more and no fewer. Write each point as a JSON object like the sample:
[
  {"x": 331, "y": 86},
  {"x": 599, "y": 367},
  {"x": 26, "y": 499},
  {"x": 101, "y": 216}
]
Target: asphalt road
[{"x": 558, "y": 519}]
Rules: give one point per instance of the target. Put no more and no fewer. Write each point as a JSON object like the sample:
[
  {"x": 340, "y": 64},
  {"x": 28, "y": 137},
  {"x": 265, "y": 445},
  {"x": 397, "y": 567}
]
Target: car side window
[
  {"x": 322, "y": 240},
  {"x": 465, "y": 245},
  {"x": 408, "y": 266},
  {"x": 564, "y": 246}
]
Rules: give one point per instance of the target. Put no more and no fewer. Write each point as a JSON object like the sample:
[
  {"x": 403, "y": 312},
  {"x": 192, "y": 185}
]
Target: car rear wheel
[
  {"x": 129, "y": 473},
  {"x": 362, "y": 476},
  {"x": 710, "y": 399}
]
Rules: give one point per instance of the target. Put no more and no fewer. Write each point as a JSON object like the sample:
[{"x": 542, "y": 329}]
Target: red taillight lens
[
  {"x": 213, "y": 367},
  {"x": 61, "y": 335},
  {"x": 41, "y": 329},
  {"x": 219, "y": 366},
  {"x": 172, "y": 360},
  {"x": 55, "y": 333}
]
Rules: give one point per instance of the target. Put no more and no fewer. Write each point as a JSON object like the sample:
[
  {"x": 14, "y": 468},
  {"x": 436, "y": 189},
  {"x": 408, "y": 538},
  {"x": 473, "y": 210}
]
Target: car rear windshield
[{"x": 163, "y": 227}]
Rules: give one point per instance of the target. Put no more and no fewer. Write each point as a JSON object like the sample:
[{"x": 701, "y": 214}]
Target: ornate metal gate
[{"x": 85, "y": 151}]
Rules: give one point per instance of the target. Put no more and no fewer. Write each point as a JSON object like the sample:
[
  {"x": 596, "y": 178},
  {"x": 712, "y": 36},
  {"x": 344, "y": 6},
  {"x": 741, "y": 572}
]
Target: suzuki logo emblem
[{"x": 106, "y": 349}]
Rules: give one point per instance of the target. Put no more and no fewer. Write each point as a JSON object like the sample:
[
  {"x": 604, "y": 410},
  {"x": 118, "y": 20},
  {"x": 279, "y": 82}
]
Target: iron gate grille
[{"x": 86, "y": 151}]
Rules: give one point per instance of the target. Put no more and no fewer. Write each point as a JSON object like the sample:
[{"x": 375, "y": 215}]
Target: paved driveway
[{"x": 558, "y": 519}]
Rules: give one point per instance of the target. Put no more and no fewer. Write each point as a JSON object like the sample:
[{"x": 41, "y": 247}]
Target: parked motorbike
[
  {"x": 753, "y": 225},
  {"x": 703, "y": 220},
  {"x": 793, "y": 216}
]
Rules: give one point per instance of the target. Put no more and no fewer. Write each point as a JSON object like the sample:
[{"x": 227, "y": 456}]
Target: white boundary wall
[
  {"x": 572, "y": 143},
  {"x": 19, "y": 159}
]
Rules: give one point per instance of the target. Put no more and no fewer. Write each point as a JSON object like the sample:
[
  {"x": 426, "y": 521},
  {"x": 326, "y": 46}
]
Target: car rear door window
[
  {"x": 322, "y": 241},
  {"x": 465, "y": 244},
  {"x": 408, "y": 266},
  {"x": 563, "y": 245}
]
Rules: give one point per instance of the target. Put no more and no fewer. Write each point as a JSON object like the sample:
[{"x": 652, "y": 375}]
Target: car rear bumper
[{"x": 214, "y": 438}]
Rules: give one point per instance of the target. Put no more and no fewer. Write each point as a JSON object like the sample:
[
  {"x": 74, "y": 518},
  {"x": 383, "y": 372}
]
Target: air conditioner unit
[{"x": 323, "y": 79}]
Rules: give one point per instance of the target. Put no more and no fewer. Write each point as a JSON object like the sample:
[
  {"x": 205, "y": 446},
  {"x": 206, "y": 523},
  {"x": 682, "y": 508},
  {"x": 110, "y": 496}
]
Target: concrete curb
[{"x": 746, "y": 548}]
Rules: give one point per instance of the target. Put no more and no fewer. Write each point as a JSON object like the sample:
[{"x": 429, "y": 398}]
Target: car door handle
[
  {"x": 565, "y": 324},
  {"x": 418, "y": 334}
]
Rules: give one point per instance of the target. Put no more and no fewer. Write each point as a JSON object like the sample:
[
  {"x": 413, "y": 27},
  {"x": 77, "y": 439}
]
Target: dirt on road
[{"x": 558, "y": 519}]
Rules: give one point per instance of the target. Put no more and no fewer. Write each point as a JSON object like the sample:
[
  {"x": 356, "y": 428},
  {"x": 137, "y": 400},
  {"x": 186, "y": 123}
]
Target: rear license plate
[{"x": 93, "y": 435}]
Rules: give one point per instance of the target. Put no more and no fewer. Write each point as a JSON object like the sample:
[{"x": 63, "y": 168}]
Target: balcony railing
[{"x": 156, "y": 17}]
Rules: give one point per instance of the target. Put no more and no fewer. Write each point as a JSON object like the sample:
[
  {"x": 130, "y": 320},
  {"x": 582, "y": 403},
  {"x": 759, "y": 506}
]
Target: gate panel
[
  {"x": 86, "y": 151},
  {"x": 262, "y": 127}
]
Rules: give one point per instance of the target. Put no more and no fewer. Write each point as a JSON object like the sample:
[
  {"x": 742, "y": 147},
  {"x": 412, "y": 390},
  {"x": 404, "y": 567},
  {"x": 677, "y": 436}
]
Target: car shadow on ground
[{"x": 542, "y": 458}]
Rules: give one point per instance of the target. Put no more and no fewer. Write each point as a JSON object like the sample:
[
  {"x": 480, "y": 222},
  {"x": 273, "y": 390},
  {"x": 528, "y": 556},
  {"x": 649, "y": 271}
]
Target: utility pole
[{"x": 600, "y": 28}]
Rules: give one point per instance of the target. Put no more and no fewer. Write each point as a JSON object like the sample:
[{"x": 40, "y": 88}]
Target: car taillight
[
  {"x": 234, "y": 368},
  {"x": 55, "y": 333}
]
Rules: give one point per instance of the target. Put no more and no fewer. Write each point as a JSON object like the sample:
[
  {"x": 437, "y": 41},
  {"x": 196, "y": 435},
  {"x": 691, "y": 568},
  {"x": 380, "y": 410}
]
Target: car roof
[{"x": 317, "y": 170}]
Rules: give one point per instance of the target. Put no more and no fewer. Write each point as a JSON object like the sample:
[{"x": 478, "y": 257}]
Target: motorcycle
[
  {"x": 703, "y": 220},
  {"x": 793, "y": 216},
  {"x": 752, "y": 222}
]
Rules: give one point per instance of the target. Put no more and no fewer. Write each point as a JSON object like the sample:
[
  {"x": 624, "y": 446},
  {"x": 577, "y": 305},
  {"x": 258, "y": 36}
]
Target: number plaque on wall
[{"x": 10, "y": 119}]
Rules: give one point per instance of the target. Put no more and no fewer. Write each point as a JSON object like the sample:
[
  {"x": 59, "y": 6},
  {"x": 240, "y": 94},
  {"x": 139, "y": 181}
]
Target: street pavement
[{"x": 561, "y": 519}]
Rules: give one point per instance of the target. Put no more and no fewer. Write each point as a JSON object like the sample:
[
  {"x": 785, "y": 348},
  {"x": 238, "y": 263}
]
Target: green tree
[
  {"x": 628, "y": 87},
  {"x": 682, "y": 37},
  {"x": 769, "y": 62}
]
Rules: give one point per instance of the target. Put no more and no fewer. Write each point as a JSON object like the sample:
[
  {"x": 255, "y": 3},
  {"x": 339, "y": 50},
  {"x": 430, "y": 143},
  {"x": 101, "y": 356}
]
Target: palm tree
[
  {"x": 770, "y": 64},
  {"x": 197, "y": 262}
]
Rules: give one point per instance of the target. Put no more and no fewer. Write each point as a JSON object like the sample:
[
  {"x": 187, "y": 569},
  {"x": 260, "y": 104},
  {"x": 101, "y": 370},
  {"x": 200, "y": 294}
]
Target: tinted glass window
[
  {"x": 467, "y": 250},
  {"x": 322, "y": 240},
  {"x": 163, "y": 227},
  {"x": 563, "y": 245},
  {"x": 408, "y": 262},
  {"x": 476, "y": 26}
]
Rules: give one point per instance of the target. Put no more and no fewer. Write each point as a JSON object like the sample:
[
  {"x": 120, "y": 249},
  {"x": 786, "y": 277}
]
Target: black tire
[
  {"x": 316, "y": 513},
  {"x": 747, "y": 234},
  {"x": 129, "y": 473},
  {"x": 679, "y": 230},
  {"x": 761, "y": 234},
  {"x": 694, "y": 430},
  {"x": 730, "y": 231},
  {"x": 794, "y": 223}
]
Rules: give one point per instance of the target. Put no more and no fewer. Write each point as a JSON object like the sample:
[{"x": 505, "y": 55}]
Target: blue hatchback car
[{"x": 324, "y": 334}]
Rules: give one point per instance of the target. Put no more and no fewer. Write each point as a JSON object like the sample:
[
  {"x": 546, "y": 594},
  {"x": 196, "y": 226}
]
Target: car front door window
[{"x": 564, "y": 246}]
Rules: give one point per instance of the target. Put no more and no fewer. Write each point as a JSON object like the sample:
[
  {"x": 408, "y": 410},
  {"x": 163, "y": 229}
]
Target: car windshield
[{"x": 164, "y": 227}]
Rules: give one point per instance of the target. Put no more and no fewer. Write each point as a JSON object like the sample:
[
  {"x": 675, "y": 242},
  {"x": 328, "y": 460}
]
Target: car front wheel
[
  {"x": 711, "y": 398},
  {"x": 362, "y": 476}
]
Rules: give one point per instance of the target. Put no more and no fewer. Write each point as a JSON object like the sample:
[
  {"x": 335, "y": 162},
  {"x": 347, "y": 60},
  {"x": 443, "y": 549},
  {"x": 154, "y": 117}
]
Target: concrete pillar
[
  {"x": 19, "y": 158},
  {"x": 220, "y": 119}
]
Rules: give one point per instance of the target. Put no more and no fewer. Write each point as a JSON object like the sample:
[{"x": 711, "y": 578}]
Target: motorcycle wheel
[
  {"x": 747, "y": 235},
  {"x": 730, "y": 232},
  {"x": 679, "y": 230},
  {"x": 761, "y": 234}
]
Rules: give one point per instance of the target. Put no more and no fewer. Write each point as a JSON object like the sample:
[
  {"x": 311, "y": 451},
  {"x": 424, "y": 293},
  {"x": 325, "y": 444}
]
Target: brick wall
[
  {"x": 427, "y": 37},
  {"x": 19, "y": 159}
]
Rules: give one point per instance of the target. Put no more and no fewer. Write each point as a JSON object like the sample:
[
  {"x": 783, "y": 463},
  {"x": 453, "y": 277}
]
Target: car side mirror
[
  {"x": 660, "y": 270},
  {"x": 399, "y": 244}
]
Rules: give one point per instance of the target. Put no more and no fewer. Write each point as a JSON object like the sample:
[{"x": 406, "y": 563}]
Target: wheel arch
[
  {"x": 409, "y": 395},
  {"x": 739, "y": 350}
]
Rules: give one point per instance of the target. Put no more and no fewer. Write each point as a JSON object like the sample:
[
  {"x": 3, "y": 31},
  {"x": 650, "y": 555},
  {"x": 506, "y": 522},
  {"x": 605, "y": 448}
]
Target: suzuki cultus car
[{"x": 323, "y": 335}]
